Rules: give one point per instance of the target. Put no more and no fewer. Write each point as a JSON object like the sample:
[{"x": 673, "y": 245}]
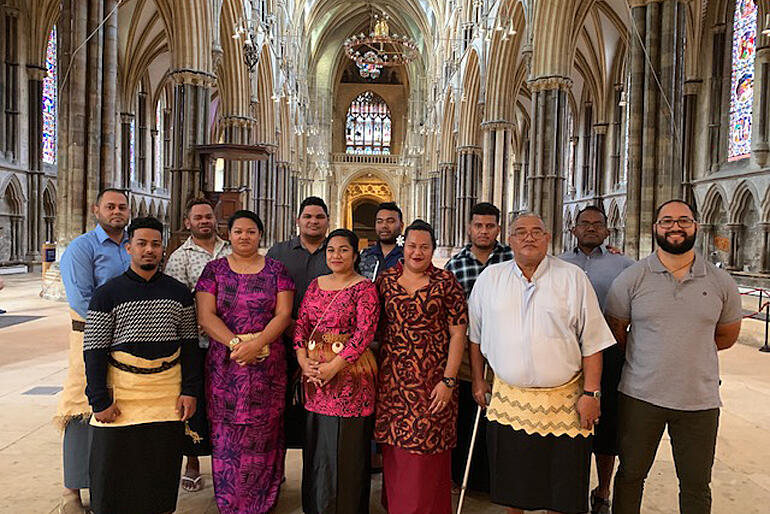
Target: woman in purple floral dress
[{"x": 244, "y": 304}]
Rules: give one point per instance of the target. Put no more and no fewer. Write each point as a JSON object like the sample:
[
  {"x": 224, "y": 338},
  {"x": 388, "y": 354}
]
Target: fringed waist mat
[{"x": 539, "y": 410}]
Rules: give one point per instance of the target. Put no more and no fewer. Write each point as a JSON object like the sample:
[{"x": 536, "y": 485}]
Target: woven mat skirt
[{"x": 535, "y": 472}]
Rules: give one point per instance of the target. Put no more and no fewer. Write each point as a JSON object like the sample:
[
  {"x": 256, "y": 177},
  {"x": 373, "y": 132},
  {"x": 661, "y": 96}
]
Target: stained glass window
[
  {"x": 50, "y": 90},
  {"x": 742, "y": 83},
  {"x": 368, "y": 125}
]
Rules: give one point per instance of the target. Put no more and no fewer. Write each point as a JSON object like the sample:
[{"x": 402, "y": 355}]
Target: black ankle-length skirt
[
  {"x": 535, "y": 472},
  {"x": 136, "y": 469},
  {"x": 336, "y": 462}
]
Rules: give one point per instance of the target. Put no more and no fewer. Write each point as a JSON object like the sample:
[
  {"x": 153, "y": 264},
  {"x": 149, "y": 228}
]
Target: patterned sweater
[{"x": 150, "y": 319}]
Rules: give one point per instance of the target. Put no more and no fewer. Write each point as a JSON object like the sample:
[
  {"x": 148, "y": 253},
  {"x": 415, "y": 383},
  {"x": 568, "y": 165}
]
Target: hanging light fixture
[
  {"x": 251, "y": 42},
  {"x": 380, "y": 48}
]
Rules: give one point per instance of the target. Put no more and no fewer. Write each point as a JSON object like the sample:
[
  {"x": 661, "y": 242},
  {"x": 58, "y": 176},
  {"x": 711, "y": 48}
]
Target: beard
[
  {"x": 389, "y": 240},
  {"x": 148, "y": 267},
  {"x": 685, "y": 246}
]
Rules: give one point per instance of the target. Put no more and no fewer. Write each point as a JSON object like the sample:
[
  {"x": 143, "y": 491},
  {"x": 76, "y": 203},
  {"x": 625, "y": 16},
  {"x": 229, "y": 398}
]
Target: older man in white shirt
[{"x": 537, "y": 321}]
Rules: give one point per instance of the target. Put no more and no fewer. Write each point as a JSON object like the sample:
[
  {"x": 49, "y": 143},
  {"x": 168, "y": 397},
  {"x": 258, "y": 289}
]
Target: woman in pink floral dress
[{"x": 335, "y": 325}]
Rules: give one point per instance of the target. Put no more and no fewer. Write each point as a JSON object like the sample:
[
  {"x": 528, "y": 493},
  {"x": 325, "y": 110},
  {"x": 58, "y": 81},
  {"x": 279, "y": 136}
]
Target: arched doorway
[
  {"x": 364, "y": 214},
  {"x": 362, "y": 196}
]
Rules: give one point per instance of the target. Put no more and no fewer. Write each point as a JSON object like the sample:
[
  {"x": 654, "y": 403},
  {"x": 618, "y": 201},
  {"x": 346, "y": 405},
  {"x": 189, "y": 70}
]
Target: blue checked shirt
[{"x": 467, "y": 268}]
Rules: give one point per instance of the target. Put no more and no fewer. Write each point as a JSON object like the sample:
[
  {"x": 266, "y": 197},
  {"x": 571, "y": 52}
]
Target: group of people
[{"x": 229, "y": 352}]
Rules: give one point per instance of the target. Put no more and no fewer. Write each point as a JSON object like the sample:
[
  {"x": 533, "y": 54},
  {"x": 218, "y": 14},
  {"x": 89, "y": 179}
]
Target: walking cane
[{"x": 464, "y": 485}]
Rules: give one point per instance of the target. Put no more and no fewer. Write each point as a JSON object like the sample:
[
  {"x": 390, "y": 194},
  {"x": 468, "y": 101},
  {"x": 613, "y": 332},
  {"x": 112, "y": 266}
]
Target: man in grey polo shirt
[
  {"x": 682, "y": 310},
  {"x": 601, "y": 267}
]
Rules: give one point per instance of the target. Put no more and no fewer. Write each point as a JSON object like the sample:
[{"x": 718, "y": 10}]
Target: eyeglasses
[
  {"x": 683, "y": 222},
  {"x": 596, "y": 225},
  {"x": 522, "y": 233}
]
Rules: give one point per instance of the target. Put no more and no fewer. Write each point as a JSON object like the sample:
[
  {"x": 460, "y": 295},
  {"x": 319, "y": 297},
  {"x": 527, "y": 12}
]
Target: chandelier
[
  {"x": 380, "y": 48},
  {"x": 252, "y": 42}
]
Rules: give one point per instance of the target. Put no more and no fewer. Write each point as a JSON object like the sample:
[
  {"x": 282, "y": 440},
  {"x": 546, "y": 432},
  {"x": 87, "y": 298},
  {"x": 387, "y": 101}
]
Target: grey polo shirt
[
  {"x": 671, "y": 355},
  {"x": 302, "y": 266},
  {"x": 601, "y": 266}
]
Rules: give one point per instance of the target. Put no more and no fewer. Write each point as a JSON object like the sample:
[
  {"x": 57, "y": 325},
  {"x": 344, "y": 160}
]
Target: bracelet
[{"x": 450, "y": 382}]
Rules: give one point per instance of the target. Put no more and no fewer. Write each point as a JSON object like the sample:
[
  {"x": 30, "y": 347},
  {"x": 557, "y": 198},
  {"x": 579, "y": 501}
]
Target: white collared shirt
[
  {"x": 186, "y": 263},
  {"x": 535, "y": 333}
]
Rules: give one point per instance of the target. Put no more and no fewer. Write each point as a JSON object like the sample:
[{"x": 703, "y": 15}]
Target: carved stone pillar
[
  {"x": 446, "y": 206},
  {"x": 497, "y": 137},
  {"x": 466, "y": 188},
  {"x": 654, "y": 167},
  {"x": 759, "y": 142},
  {"x": 191, "y": 128},
  {"x": 236, "y": 130},
  {"x": 264, "y": 193},
  {"x": 600, "y": 136},
  {"x": 766, "y": 247},
  {"x": 547, "y": 158},
  {"x": 736, "y": 249},
  {"x": 34, "y": 192},
  {"x": 126, "y": 118},
  {"x": 706, "y": 231}
]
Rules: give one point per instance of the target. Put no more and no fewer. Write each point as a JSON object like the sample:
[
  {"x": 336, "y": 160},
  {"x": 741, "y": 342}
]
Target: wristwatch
[
  {"x": 593, "y": 394},
  {"x": 235, "y": 341},
  {"x": 450, "y": 382}
]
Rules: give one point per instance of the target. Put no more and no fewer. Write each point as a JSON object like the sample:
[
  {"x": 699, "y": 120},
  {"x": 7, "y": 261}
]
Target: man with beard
[
  {"x": 89, "y": 261},
  {"x": 601, "y": 267},
  {"x": 143, "y": 375},
  {"x": 386, "y": 252},
  {"x": 483, "y": 250},
  {"x": 682, "y": 310},
  {"x": 186, "y": 264},
  {"x": 305, "y": 259}
]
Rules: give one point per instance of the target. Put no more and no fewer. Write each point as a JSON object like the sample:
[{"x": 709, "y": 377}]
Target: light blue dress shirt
[{"x": 88, "y": 262}]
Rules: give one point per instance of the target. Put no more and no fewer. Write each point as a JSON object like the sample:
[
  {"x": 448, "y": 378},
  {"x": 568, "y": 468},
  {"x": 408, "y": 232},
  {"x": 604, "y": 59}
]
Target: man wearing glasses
[
  {"x": 537, "y": 321},
  {"x": 682, "y": 310},
  {"x": 601, "y": 267}
]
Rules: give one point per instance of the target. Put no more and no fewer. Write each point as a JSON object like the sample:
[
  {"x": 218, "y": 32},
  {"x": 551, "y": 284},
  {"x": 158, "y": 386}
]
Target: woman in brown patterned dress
[{"x": 422, "y": 331}]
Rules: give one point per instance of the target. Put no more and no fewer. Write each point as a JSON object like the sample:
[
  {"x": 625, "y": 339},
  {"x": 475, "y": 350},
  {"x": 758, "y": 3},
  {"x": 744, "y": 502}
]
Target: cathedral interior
[{"x": 537, "y": 105}]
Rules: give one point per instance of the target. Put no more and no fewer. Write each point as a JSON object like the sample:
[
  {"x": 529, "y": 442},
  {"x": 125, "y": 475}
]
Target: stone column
[
  {"x": 766, "y": 246},
  {"x": 466, "y": 189},
  {"x": 432, "y": 213},
  {"x": 81, "y": 105},
  {"x": 191, "y": 128},
  {"x": 759, "y": 142},
  {"x": 109, "y": 173},
  {"x": 655, "y": 169},
  {"x": 600, "y": 136},
  {"x": 495, "y": 161},
  {"x": 264, "y": 193},
  {"x": 517, "y": 183},
  {"x": 736, "y": 240},
  {"x": 34, "y": 192},
  {"x": 692, "y": 87},
  {"x": 546, "y": 157},
  {"x": 706, "y": 231},
  {"x": 126, "y": 118},
  {"x": 446, "y": 206},
  {"x": 282, "y": 199}
]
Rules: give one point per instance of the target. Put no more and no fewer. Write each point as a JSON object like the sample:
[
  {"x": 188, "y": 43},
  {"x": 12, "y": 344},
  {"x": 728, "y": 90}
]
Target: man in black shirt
[
  {"x": 142, "y": 378},
  {"x": 305, "y": 260}
]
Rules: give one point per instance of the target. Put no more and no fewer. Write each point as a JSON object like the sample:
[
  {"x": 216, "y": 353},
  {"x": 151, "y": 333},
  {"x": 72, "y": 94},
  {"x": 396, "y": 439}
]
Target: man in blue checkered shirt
[{"x": 483, "y": 250}]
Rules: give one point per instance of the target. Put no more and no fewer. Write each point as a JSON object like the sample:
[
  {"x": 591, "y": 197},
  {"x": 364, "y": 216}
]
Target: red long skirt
[{"x": 416, "y": 484}]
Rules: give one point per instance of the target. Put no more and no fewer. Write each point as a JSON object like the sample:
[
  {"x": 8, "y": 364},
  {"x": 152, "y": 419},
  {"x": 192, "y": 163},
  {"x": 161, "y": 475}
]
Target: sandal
[
  {"x": 192, "y": 485},
  {"x": 599, "y": 505},
  {"x": 71, "y": 504}
]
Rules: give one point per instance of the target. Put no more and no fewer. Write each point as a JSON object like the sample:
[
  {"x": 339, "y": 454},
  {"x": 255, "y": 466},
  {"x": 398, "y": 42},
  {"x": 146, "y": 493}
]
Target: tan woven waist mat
[
  {"x": 539, "y": 410},
  {"x": 143, "y": 398},
  {"x": 73, "y": 403}
]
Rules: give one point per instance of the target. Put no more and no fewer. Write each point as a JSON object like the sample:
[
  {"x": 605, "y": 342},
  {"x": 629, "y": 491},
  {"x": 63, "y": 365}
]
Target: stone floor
[{"x": 33, "y": 362}]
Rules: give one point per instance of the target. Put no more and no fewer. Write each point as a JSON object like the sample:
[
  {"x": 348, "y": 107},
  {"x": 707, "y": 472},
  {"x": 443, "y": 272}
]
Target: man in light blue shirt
[
  {"x": 89, "y": 261},
  {"x": 601, "y": 267}
]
